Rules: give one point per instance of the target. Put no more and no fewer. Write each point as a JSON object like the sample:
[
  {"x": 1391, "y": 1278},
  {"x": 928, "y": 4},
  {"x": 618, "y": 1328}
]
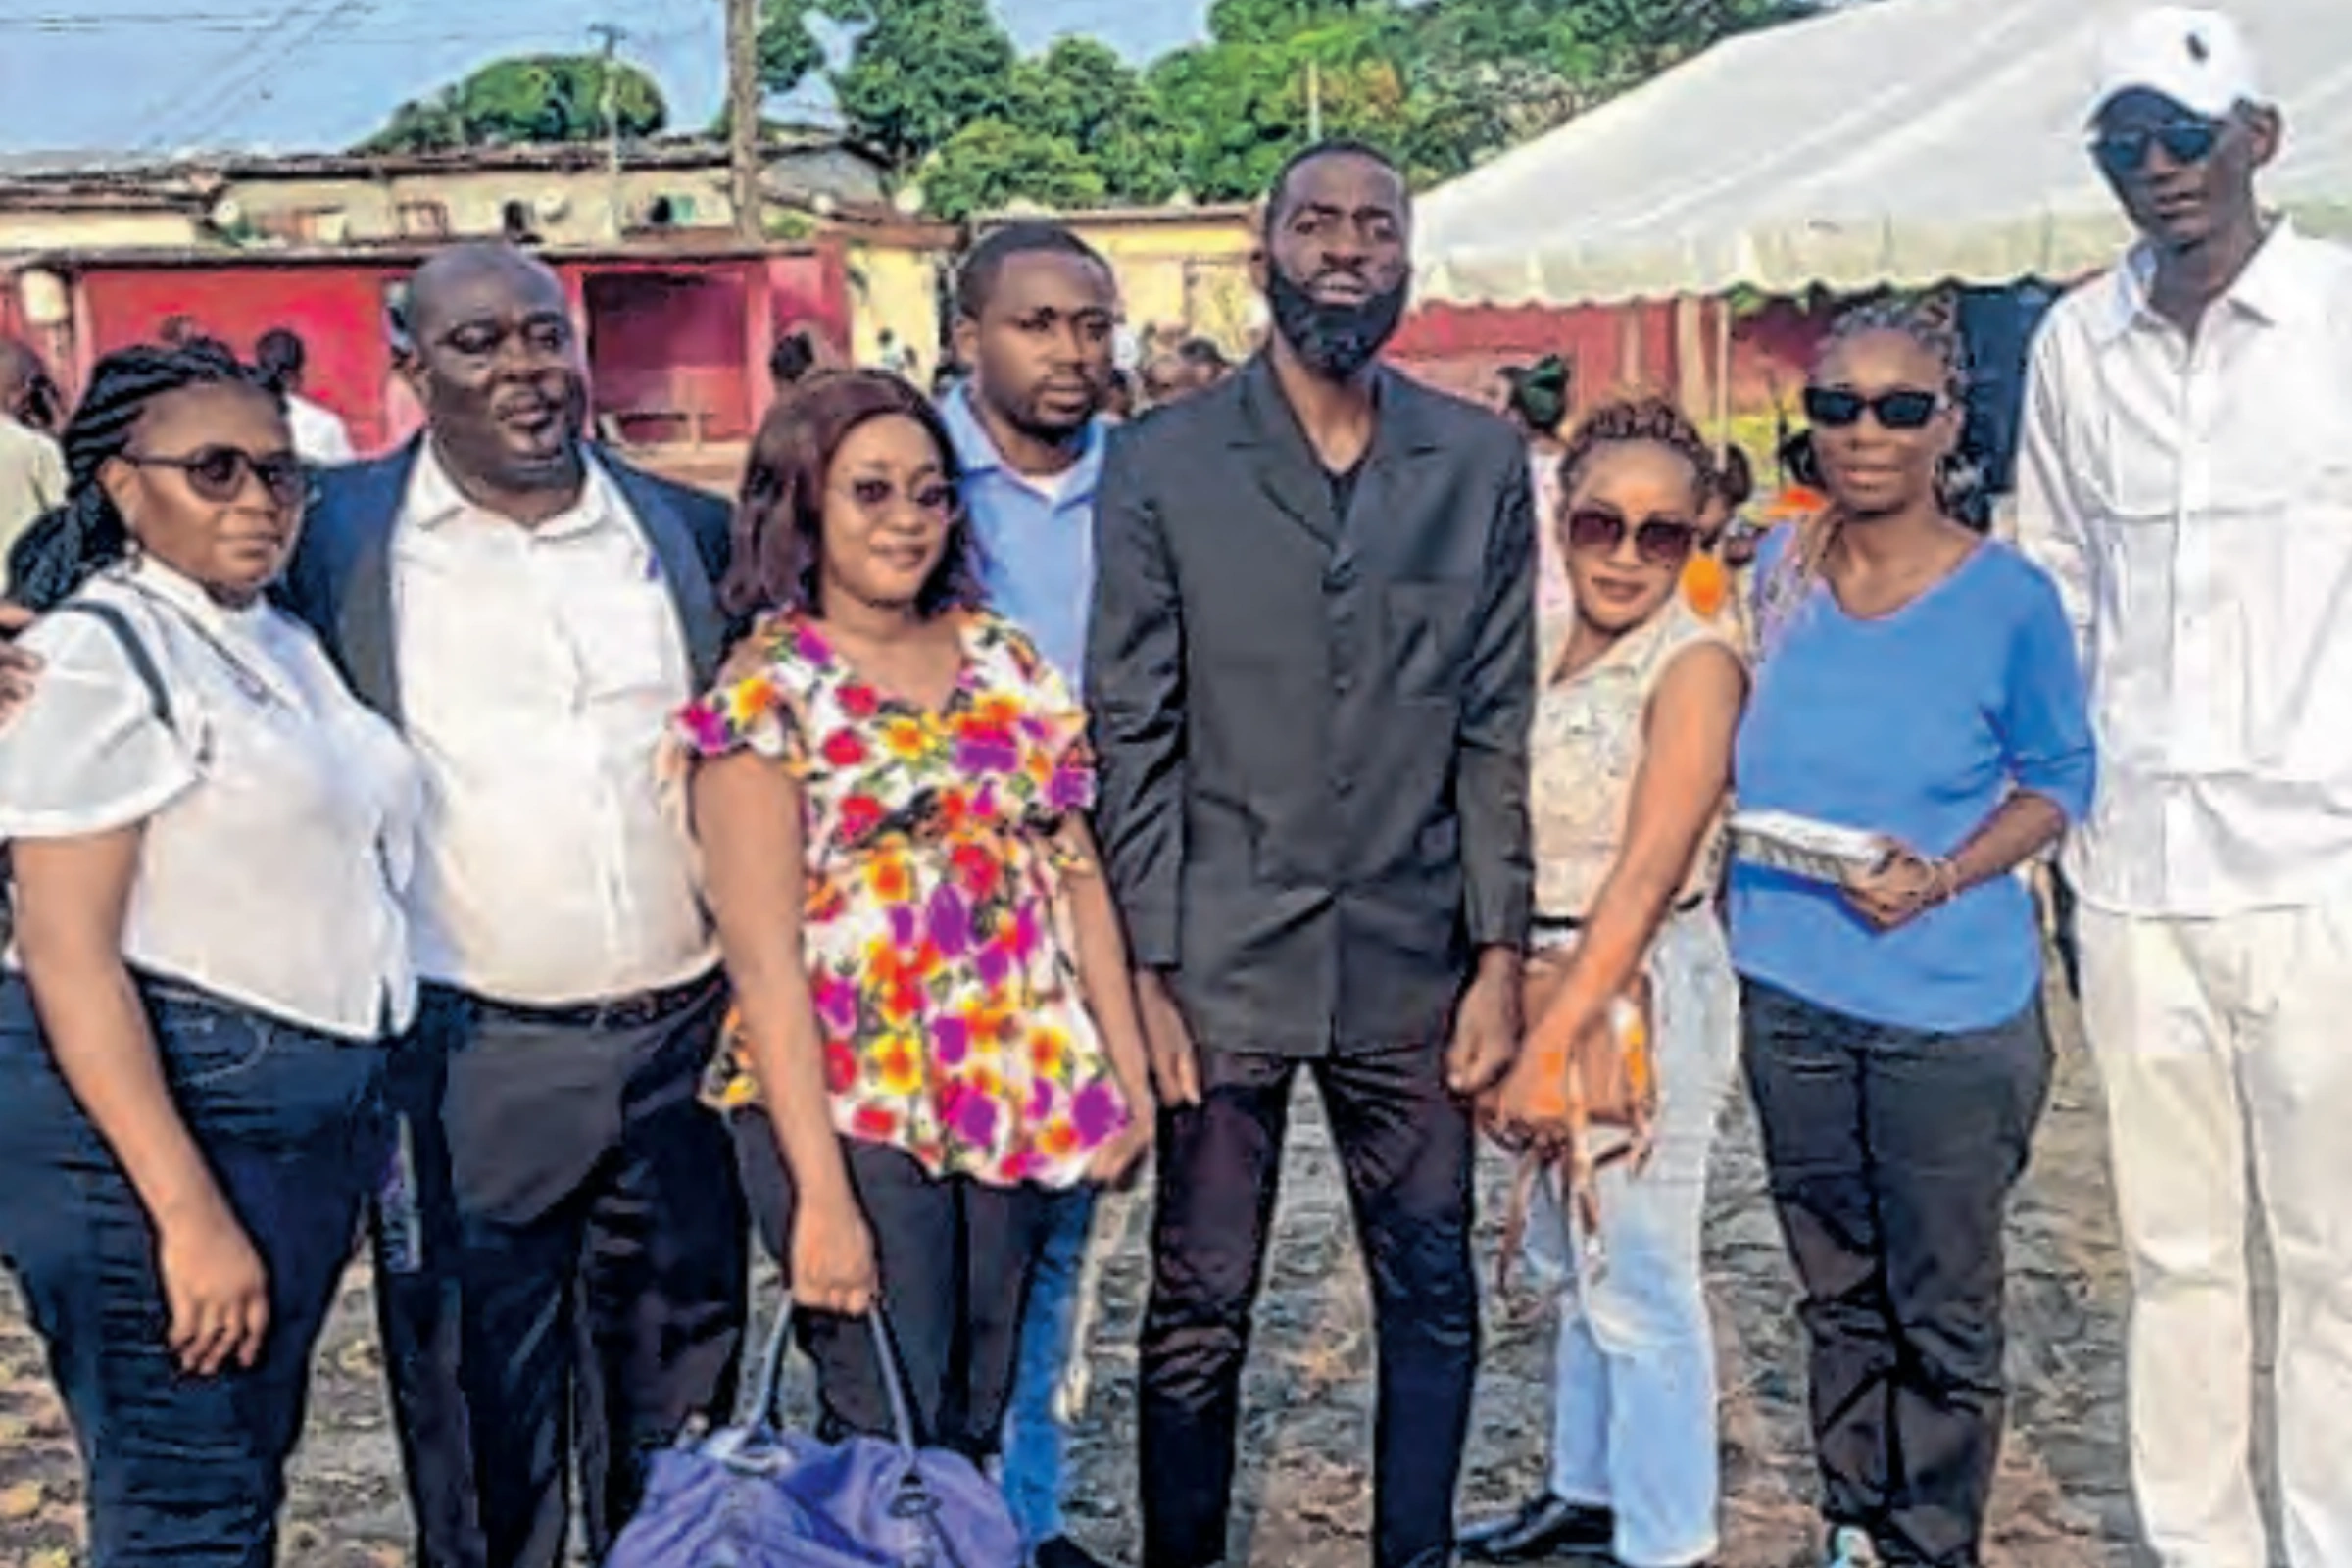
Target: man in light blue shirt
[{"x": 1036, "y": 319}]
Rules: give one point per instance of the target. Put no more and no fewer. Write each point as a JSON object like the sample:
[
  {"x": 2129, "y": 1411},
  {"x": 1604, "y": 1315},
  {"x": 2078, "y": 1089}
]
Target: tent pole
[{"x": 1723, "y": 368}]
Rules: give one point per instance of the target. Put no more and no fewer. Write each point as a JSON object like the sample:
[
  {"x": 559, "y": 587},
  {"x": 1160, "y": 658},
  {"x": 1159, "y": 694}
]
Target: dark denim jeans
[
  {"x": 1892, "y": 1154},
  {"x": 187, "y": 1472}
]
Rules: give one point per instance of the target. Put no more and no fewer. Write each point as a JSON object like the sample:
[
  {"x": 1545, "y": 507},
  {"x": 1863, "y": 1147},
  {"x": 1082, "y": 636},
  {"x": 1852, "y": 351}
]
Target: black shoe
[
  {"x": 1063, "y": 1552},
  {"x": 1547, "y": 1526}
]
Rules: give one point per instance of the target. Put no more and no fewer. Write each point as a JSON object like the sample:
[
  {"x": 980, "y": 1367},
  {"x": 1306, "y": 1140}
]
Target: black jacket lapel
[
  {"x": 366, "y": 516},
  {"x": 690, "y": 588}
]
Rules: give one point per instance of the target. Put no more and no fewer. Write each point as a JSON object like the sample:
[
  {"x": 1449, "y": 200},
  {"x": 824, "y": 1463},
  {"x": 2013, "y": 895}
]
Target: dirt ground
[{"x": 2062, "y": 1500}]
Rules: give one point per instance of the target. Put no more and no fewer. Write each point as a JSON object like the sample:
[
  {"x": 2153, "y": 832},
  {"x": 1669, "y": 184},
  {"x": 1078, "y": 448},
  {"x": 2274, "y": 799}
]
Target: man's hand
[
  {"x": 1486, "y": 1026},
  {"x": 1175, "y": 1062}
]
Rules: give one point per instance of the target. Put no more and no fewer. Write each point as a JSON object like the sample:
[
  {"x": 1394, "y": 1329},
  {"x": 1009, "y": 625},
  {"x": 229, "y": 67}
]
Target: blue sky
[{"x": 159, "y": 74}]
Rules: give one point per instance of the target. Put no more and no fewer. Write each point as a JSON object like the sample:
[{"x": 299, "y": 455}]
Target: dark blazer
[
  {"x": 340, "y": 579},
  {"x": 1312, "y": 728}
]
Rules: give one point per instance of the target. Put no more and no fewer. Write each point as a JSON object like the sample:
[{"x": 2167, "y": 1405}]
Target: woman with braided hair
[
  {"x": 1917, "y": 684},
  {"x": 1630, "y": 754},
  {"x": 208, "y": 837}
]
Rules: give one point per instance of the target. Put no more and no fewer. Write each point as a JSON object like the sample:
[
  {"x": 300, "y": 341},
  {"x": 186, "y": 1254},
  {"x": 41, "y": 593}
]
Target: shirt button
[
  {"x": 1343, "y": 684},
  {"x": 1343, "y": 786}
]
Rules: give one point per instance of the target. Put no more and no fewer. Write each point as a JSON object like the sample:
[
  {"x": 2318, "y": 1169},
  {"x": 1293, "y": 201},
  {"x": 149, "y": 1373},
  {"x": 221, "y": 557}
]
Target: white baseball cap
[{"x": 2200, "y": 59}]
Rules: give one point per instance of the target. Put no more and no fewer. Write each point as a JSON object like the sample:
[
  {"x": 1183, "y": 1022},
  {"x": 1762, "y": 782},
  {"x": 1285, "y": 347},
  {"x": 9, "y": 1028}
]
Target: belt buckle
[{"x": 621, "y": 1012}]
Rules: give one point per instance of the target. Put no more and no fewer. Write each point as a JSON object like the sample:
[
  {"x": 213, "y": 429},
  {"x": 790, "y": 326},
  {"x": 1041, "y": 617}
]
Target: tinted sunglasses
[
  {"x": 937, "y": 498},
  {"x": 2125, "y": 153},
  {"x": 217, "y": 473},
  {"x": 1837, "y": 409},
  {"x": 1659, "y": 542}
]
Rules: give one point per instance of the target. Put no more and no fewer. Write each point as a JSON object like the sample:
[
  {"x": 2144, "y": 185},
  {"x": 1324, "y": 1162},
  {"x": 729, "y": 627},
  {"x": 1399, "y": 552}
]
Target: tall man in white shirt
[
  {"x": 564, "y": 1224},
  {"x": 2186, "y": 477}
]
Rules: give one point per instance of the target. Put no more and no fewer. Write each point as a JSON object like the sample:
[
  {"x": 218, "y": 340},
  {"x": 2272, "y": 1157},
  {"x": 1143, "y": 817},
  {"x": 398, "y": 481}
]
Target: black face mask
[{"x": 1336, "y": 341}]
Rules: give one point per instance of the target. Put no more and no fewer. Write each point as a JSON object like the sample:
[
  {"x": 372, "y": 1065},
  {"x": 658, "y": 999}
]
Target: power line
[
  {"x": 235, "y": 96},
  {"x": 160, "y": 111}
]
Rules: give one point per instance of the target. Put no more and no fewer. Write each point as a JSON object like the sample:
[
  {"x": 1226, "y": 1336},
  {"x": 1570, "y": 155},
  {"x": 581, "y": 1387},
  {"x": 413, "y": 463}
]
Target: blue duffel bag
[{"x": 756, "y": 1497}]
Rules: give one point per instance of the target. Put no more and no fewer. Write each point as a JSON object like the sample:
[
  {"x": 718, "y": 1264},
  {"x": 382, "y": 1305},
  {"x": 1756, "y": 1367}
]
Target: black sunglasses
[
  {"x": 2185, "y": 141},
  {"x": 1837, "y": 409},
  {"x": 1659, "y": 542},
  {"x": 217, "y": 473}
]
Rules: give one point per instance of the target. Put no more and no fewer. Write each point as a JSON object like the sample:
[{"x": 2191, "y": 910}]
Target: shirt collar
[
  {"x": 187, "y": 595},
  {"x": 2271, "y": 289},
  {"x": 976, "y": 450},
  {"x": 434, "y": 499}
]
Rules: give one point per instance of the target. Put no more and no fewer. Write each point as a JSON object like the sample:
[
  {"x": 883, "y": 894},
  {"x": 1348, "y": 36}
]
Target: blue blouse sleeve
[{"x": 2044, "y": 720}]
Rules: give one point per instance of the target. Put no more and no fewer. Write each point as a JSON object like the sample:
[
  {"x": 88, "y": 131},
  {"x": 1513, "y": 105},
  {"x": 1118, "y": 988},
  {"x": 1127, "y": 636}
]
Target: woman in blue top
[{"x": 1919, "y": 683}]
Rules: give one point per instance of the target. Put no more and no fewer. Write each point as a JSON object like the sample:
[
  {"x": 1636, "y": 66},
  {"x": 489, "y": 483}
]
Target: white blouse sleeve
[{"x": 86, "y": 753}]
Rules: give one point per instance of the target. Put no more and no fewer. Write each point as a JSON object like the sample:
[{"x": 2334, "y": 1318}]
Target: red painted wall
[
  {"x": 1463, "y": 348},
  {"x": 338, "y": 311},
  {"x": 666, "y": 351},
  {"x": 662, "y": 334}
]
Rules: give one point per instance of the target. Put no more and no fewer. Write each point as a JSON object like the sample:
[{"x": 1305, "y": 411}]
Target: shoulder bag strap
[{"x": 134, "y": 647}]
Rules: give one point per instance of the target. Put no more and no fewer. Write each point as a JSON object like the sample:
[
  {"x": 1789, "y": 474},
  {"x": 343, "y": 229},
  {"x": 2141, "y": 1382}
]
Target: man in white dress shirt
[
  {"x": 564, "y": 1232},
  {"x": 321, "y": 438},
  {"x": 2186, "y": 477}
]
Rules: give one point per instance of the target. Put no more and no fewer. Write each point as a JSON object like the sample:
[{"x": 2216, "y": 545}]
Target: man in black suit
[
  {"x": 560, "y": 1245},
  {"x": 1311, "y": 669}
]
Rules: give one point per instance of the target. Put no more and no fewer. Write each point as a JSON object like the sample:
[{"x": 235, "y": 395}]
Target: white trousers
[{"x": 2224, "y": 1044}]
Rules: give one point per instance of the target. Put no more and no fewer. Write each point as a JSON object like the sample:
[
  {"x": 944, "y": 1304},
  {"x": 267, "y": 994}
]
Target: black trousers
[
  {"x": 954, "y": 1259},
  {"x": 579, "y": 1294},
  {"x": 1893, "y": 1153},
  {"x": 1404, "y": 1144}
]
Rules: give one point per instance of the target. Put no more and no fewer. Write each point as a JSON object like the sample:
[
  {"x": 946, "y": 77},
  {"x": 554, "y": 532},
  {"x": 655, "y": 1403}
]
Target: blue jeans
[
  {"x": 1633, "y": 1374},
  {"x": 1036, "y": 1446},
  {"x": 186, "y": 1472}
]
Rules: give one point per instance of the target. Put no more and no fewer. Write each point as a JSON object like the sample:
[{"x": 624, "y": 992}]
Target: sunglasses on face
[
  {"x": 217, "y": 473},
  {"x": 1659, "y": 542},
  {"x": 2125, "y": 153},
  {"x": 935, "y": 498},
  {"x": 1839, "y": 408}
]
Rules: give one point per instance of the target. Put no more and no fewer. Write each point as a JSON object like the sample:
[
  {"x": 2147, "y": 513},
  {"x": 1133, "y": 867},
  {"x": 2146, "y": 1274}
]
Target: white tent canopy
[{"x": 1901, "y": 142}]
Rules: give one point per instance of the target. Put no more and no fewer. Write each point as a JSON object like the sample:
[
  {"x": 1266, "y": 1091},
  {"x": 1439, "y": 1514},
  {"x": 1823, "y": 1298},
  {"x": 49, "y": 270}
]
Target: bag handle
[
  {"x": 134, "y": 649},
  {"x": 760, "y": 1401}
]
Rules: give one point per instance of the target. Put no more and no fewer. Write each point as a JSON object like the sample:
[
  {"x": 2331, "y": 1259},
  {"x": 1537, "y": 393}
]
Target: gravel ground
[{"x": 2062, "y": 1500}]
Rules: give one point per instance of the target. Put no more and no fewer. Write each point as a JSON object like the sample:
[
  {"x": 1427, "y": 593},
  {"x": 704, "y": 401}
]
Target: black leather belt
[{"x": 639, "y": 1010}]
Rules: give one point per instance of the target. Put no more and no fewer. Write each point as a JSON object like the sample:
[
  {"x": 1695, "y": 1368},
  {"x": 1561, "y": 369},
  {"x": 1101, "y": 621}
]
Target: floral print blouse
[{"x": 941, "y": 954}]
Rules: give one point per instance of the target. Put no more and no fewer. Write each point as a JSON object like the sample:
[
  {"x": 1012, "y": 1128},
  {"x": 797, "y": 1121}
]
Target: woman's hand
[
  {"x": 1901, "y": 888},
  {"x": 833, "y": 1267},
  {"x": 1116, "y": 1164},
  {"x": 217, "y": 1290}
]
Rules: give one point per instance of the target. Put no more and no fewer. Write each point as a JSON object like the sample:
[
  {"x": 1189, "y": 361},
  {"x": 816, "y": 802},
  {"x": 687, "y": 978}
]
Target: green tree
[
  {"x": 788, "y": 50},
  {"x": 525, "y": 100},
  {"x": 1082, "y": 94},
  {"x": 919, "y": 71},
  {"x": 1250, "y": 97},
  {"x": 991, "y": 164}
]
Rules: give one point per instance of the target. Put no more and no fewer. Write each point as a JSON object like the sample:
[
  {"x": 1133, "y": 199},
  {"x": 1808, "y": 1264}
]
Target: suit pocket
[{"x": 1428, "y": 624}]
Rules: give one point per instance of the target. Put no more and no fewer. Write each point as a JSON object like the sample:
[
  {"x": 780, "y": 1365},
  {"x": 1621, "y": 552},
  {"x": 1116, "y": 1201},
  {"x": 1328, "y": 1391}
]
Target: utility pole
[
  {"x": 609, "y": 36},
  {"x": 743, "y": 117},
  {"x": 1314, "y": 102}
]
